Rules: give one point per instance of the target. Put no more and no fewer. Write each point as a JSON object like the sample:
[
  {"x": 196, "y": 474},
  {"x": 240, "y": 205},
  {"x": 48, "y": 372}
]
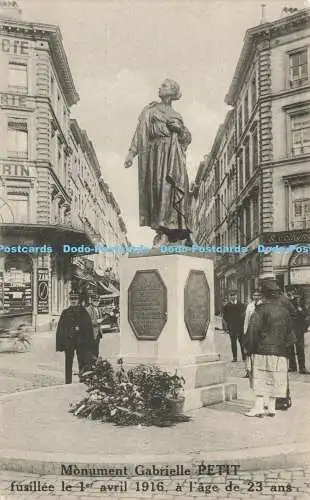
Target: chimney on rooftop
[{"x": 9, "y": 9}]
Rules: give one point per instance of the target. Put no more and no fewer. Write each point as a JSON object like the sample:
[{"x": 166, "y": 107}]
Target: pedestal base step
[{"x": 210, "y": 395}]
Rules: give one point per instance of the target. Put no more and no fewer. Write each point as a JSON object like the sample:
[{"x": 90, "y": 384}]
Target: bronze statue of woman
[{"x": 160, "y": 141}]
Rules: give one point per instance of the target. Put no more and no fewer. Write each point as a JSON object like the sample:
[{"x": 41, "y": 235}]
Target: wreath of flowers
[{"x": 138, "y": 396}]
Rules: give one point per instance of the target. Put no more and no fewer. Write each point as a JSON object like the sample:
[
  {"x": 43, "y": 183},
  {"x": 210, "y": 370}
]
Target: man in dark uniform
[
  {"x": 233, "y": 315},
  {"x": 75, "y": 334}
]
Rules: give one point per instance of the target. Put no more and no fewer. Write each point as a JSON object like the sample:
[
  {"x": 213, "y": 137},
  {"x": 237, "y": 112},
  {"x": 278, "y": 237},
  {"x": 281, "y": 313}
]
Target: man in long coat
[
  {"x": 93, "y": 312},
  {"x": 269, "y": 338},
  {"x": 75, "y": 334},
  {"x": 233, "y": 315}
]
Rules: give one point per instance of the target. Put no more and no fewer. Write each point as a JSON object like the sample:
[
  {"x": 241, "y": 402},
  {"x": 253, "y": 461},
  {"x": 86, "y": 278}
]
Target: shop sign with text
[
  {"x": 14, "y": 100},
  {"x": 16, "y": 170},
  {"x": 14, "y": 46},
  {"x": 42, "y": 291}
]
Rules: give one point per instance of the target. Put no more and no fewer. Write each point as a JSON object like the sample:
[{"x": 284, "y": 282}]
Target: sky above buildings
[{"x": 119, "y": 52}]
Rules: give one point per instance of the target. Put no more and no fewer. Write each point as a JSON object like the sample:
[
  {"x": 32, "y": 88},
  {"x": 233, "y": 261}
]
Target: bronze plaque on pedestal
[
  {"x": 147, "y": 304},
  {"x": 197, "y": 305}
]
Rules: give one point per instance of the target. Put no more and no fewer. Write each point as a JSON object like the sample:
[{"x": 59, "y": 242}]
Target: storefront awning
[
  {"x": 109, "y": 289},
  {"x": 93, "y": 279},
  {"x": 82, "y": 274}
]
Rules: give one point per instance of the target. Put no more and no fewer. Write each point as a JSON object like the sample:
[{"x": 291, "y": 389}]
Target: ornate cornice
[
  {"x": 259, "y": 38},
  {"x": 51, "y": 34}
]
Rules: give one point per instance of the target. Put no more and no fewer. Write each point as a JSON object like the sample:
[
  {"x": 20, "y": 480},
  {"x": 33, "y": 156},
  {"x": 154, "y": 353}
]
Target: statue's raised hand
[{"x": 174, "y": 125}]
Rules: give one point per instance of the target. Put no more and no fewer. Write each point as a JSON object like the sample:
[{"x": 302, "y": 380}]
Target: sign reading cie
[
  {"x": 17, "y": 47},
  {"x": 18, "y": 101},
  {"x": 13, "y": 46}
]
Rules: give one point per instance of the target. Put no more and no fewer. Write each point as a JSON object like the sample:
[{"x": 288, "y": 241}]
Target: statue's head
[{"x": 170, "y": 88}]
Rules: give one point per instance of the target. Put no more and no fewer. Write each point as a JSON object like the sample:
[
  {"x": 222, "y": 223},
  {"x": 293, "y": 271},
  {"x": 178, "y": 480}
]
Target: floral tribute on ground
[{"x": 143, "y": 395}]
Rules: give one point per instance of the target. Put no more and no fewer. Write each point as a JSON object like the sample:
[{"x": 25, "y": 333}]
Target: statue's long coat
[{"x": 163, "y": 179}]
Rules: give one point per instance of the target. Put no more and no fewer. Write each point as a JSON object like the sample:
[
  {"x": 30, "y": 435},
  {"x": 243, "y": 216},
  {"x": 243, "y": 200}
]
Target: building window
[
  {"x": 52, "y": 89},
  {"x": 301, "y": 214},
  {"x": 255, "y": 212},
  {"x": 222, "y": 208},
  {"x": 300, "y": 127},
  {"x": 253, "y": 91},
  {"x": 18, "y": 77},
  {"x": 241, "y": 229},
  {"x": 255, "y": 149},
  {"x": 299, "y": 206},
  {"x": 217, "y": 210},
  {"x": 240, "y": 125},
  {"x": 299, "y": 68},
  {"x": 59, "y": 106},
  {"x": 19, "y": 204},
  {"x": 247, "y": 160},
  {"x": 230, "y": 148},
  {"x": 248, "y": 232},
  {"x": 241, "y": 170},
  {"x": 18, "y": 139},
  {"x": 246, "y": 107}
]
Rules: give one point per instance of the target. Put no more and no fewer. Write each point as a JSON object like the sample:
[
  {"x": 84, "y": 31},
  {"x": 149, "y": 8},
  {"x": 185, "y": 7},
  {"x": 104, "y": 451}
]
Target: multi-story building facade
[
  {"x": 93, "y": 206},
  {"x": 270, "y": 96},
  {"x": 202, "y": 206},
  {"x": 40, "y": 181}
]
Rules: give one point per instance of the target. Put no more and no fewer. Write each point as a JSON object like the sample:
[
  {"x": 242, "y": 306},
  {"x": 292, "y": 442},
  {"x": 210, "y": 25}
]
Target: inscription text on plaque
[
  {"x": 197, "y": 305},
  {"x": 147, "y": 304}
]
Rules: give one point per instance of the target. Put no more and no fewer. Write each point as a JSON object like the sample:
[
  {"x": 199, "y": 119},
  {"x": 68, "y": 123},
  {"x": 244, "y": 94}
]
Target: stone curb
[{"x": 254, "y": 459}]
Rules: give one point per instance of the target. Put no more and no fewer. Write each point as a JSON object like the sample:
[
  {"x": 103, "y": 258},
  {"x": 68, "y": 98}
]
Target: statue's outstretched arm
[{"x": 140, "y": 140}]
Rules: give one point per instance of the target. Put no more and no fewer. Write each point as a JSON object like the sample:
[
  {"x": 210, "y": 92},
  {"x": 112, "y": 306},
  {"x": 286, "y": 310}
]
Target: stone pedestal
[{"x": 167, "y": 319}]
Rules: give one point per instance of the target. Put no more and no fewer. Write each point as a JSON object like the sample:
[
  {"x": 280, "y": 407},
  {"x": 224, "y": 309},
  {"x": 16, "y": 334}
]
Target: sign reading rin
[
  {"x": 15, "y": 170},
  {"x": 147, "y": 304},
  {"x": 197, "y": 305}
]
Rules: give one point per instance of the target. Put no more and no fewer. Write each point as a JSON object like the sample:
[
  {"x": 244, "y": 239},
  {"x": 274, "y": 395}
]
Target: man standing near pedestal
[
  {"x": 250, "y": 309},
  {"x": 233, "y": 315},
  {"x": 75, "y": 334},
  {"x": 93, "y": 312}
]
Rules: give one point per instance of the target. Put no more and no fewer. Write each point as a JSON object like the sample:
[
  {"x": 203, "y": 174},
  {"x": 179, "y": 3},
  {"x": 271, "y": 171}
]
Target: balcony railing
[
  {"x": 299, "y": 82},
  {"x": 18, "y": 154},
  {"x": 300, "y": 223},
  {"x": 300, "y": 150},
  {"x": 18, "y": 89}
]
